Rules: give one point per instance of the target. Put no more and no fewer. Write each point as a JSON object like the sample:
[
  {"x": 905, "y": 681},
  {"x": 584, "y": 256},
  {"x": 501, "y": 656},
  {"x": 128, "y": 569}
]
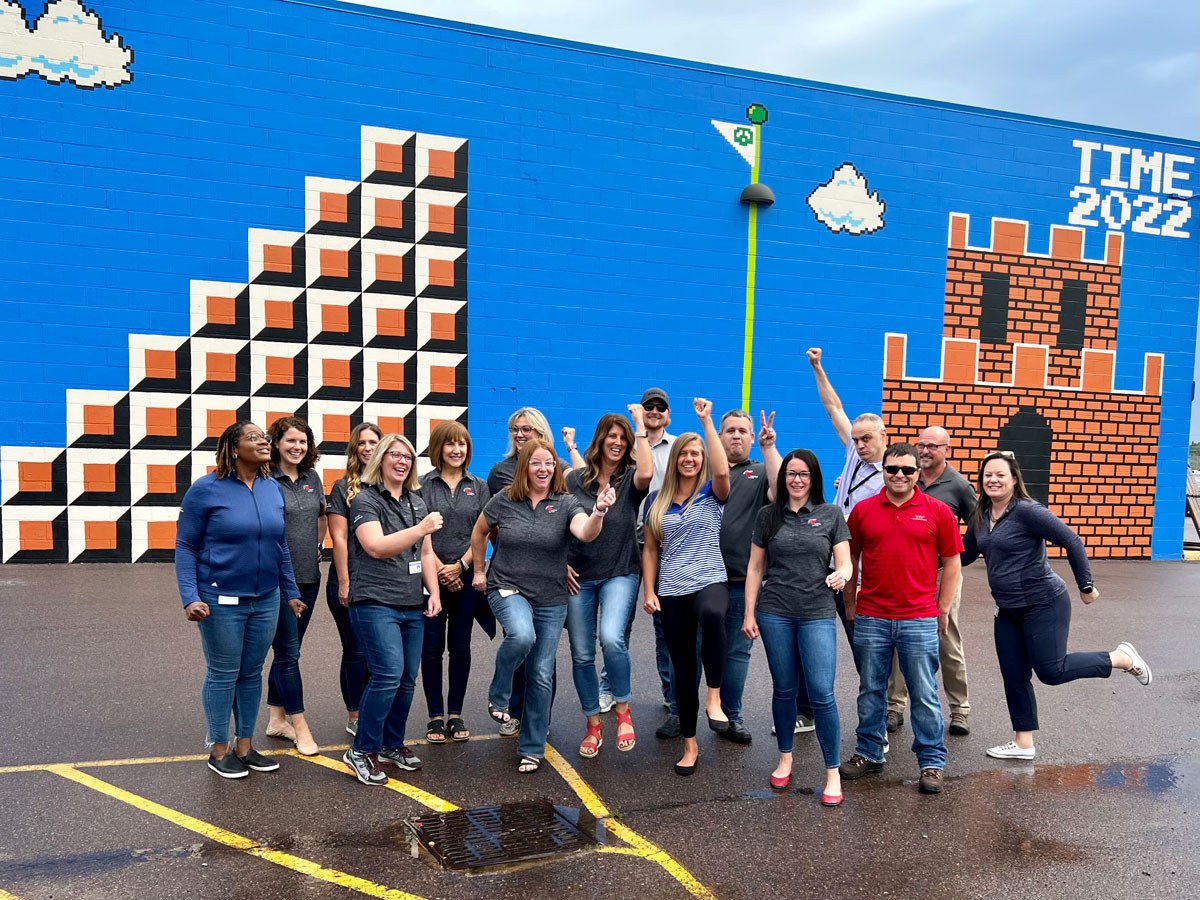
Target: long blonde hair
[
  {"x": 537, "y": 421},
  {"x": 372, "y": 475},
  {"x": 666, "y": 494},
  {"x": 354, "y": 468}
]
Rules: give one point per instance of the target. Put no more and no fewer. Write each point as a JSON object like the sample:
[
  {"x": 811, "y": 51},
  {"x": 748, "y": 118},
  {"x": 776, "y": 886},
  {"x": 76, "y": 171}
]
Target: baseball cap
[{"x": 655, "y": 393}]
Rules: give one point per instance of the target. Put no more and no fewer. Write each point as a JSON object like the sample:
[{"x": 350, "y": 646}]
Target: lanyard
[{"x": 855, "y": 485}]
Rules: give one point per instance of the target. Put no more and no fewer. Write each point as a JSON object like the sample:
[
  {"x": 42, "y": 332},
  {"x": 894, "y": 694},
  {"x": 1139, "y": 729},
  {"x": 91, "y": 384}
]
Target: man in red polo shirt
[{"x": 897, "y": 538}]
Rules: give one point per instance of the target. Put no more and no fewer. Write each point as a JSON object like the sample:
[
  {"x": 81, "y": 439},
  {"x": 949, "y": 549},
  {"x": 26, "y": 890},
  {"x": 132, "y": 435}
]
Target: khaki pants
[{"x": 952, "y": 662}]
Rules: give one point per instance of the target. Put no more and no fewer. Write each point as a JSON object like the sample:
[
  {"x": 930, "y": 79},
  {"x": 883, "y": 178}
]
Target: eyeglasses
[
  {"x": 397, "y": 455},
  {"x": 896, "y": 470},
  {"x": 1007, "y": 454},
  {"x": 522, "y": 429},
  {"x": 256, "y": 437},
  {"x": 655, "y": 406},
  {"x": 798, "y": 476},
  {"x": 931, "y": 446}
]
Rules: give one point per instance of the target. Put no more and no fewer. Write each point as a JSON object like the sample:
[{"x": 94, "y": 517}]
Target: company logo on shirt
[
  {"x": 813, "y": 522},
  {"x": 749, "y": 473},
  {"x": 468, "y": 492},
  {"x": 917, "y": 517},
  {"x": 308, "y": 489},
  {"x": 551, "y": 508}
]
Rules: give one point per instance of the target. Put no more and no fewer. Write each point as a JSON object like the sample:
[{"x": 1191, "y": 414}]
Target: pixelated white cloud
[
  {"x": 66, "y": 43},
  {"x": 844, "y": 204}
]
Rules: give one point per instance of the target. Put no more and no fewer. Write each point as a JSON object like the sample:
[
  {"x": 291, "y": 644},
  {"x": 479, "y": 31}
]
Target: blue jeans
[
  {"x": 391, "y": 639},
  {"x": 284, "y": 687},
  {"x": 531, "y": 635},
  {"x": 235, "y": 641},
  {"x": 605, "y": 687},
  {"x": 609, "y": 600},
  {"x": 787, "y": 641},
  {"x": 737, "y": 657},
  {"x": 915, "y": 642}
]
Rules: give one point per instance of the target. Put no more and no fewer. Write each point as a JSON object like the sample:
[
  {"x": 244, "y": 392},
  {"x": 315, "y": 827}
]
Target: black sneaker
[
  {"x": 229, "y": 766},
  {"x": 259, "y": 763},
  {"x": 737, "y": 733},
  {"x": 931, "y": 781},
  {"x": 365, "y": 767},
  {"x": 857, "y": 766},
  {"x": 401, "y": 757},
  {"x": 669, "y": 728},
  {"x": 895, "y": 721}
]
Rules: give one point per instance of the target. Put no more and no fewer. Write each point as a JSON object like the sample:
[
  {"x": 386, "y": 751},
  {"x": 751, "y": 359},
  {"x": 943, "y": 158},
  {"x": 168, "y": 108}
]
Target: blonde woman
[
  {"x": 353, "y": 673},
  {"x": 684, "y": 573},
  {"x": 524, "y": 425},
  {"x": 391, "y": 560}
]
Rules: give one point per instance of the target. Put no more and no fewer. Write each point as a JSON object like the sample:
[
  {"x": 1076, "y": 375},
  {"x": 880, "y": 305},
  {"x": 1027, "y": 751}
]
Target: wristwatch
[
  {"x": 1087, "y": 588},
  {"x": 462, "y": 565}
]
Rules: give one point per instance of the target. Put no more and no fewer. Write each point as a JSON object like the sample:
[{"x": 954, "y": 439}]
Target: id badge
[
  {"x": 227, "y": 601},
  {"x": 414, "y": 567}
]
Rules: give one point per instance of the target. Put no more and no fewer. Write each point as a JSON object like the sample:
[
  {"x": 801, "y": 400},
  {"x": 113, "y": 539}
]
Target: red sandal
[
  {"x": 592, "y": 741},
  {"x": 628, "y": 740}
]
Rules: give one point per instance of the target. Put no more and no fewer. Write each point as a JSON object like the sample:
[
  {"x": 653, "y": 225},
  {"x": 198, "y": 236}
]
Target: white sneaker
[
  {"x": 804, "y": 725},
  {"x": 1011, "y": 751},
  {"x": 1139, "y": 669},
  {"x": 887, "y": 746},
  {"x": 606, "y": 701}
]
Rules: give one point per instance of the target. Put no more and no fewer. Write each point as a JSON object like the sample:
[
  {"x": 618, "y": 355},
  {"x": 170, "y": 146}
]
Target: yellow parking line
[
  {"x": 437, "y": 804},
  {"x": 5, "y": 895},
  {"x": 194, "y": 757},
  {"x": 230, "y": 839},
  {"x": 649, "y": 850}
]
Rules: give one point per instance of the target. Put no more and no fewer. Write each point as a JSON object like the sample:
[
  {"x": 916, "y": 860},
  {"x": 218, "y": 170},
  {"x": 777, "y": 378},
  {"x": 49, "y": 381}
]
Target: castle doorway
[{"x": 1028, "y": 435}]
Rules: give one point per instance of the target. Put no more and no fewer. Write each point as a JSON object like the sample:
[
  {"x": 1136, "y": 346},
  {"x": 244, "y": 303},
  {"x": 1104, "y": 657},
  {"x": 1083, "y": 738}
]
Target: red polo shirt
[{"x": 901, "y": 549}]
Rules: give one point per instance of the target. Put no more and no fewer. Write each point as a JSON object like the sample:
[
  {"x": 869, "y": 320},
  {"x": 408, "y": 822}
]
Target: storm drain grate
[{"x": 487, "y": 836}]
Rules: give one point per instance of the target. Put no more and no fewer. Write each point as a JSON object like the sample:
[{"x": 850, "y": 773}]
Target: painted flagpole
[{"x": 751, "y": 267}]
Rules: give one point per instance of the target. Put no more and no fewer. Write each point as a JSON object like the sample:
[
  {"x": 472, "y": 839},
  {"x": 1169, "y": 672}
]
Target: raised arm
[
  {"x": 577, "y": 461},
  {"x": 718, "y": 462},
  {"x": 643, "y": 452},
  {"x": 767, "y": 440},
  {"x": 587, "y": 528},
  {"x": 829, "y": 398}
]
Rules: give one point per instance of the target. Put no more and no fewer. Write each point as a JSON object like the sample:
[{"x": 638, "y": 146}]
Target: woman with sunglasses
[
  {"x": 608, "y": 571},
  {"x": 352, "y": 674},
  {"x": 392, "y": 567},
  {"x": 684, "y": 572},
  {"x": 531, "y": 522},
  {"x": 1033, "y": 610},
  {"x": 789, "y": 601},
  {"x": 232, "y": 564}
]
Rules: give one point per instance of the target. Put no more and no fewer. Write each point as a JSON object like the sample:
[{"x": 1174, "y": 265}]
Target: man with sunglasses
[
  {"x": 940, "y": 479},
  {"x": 897, "y": 539}
]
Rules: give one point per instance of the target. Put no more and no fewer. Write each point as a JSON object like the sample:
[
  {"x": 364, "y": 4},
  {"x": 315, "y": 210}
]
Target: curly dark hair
[{"x": 279, "y": 428}]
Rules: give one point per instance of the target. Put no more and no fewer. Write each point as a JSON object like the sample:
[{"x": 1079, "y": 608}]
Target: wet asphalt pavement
[{"x": 98, "y": 664}]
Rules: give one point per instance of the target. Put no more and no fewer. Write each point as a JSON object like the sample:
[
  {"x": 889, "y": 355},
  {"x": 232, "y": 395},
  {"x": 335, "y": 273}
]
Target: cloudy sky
[{"x": 1118, "y": 63}]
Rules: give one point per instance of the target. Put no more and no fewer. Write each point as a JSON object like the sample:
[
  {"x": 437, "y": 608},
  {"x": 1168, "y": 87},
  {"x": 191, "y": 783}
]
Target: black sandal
[
  {"x": 455, "y": 726},
  {"x": 435, "y": 732},
  {"x": 498, "y": 715},
  {"x": 528, "y": 765}
]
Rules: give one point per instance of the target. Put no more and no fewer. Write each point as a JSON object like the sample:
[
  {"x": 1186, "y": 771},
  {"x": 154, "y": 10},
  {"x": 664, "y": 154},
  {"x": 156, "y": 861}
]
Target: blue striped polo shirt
[{"x": 690, "y": 557}]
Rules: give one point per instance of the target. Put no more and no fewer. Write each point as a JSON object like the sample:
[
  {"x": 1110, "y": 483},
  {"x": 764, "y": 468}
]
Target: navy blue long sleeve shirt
[
  {"x": 1015, "y": 553},
  {"x": 231, "y": 540}
]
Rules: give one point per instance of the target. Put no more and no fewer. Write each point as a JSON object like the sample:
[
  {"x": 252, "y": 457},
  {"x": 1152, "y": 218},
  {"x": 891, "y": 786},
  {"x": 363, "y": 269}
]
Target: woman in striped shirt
[{"x": 684, "y": 572}]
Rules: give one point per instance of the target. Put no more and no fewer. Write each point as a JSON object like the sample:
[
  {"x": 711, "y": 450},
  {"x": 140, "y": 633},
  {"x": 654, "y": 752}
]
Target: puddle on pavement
[{"x": 95, "y": 863}]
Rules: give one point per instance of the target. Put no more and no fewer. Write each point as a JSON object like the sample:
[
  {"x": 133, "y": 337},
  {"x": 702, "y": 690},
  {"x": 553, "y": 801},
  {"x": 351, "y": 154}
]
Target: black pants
[
  {"x": 1033, "y": 639},
  {"x": 353, "y": 672},
  {"x": 681, "y": 616},
  {"x": 449, "y": 630}
]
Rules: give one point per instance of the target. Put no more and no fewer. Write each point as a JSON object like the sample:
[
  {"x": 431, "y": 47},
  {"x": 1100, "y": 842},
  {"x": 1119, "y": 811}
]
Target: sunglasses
[
  {"x": 655, "y": 405},
  {"x": 896, "y": 470}
]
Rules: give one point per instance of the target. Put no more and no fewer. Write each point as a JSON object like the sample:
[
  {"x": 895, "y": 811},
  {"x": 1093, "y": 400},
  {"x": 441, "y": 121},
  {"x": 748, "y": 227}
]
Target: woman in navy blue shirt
[
  {"x": 1033, "y": 611},
  {"x": 232, "y": 562}
]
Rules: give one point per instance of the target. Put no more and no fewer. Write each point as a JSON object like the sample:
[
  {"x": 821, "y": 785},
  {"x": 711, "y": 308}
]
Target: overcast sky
[{"x": 1119, "y": 63}]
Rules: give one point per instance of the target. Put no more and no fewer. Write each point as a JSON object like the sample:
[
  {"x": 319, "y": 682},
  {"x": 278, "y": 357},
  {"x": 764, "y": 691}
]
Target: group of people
[{"x": 725, "y": 550}]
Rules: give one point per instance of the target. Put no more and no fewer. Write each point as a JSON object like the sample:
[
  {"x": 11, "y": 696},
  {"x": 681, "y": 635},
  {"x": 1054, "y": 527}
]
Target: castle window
[
  {"x": 1072, "y": 314},
  {"x": 993, "y": 315}
]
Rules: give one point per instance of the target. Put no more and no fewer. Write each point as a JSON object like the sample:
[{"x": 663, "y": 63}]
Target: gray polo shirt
[
  {"x": 799, "y": 557},
  {"x": 953, "y": 490},
  {"x": 337, "y": 505},
  {"x": 859, "y": 480},
  {"x": 460, "y": 509},
  {"x": 531, "y": 546},
  {"x": 303, "y": 503},
  {"x": 615, "y": 551},
  {"x": 387, "y": 582},
  {"x": 503, "y": 472},
  {"x": 747, "y": 495}
]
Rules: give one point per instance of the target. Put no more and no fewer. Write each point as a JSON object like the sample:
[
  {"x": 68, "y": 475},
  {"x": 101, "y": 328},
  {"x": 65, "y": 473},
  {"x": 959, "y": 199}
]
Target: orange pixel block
[
  {"x": 37, "y": 477},
  {"x": 223, "y": 310},
  {"x": 335, "y": 263},
  {"x": 388, "y": 267},
  {"x": 220, "y": 419},
  {"x": 280, "y": 370},
  {"x": 277, "y": 258},
  {"x": 441, "y": 272},
  {"x": 221, "y": 366},
  {"x": 37, "y": 535},
  {"x": 389, "y": 158},
  {"x": 160, "y": 535},
  {"x": 278, "y": 313},
  {"x": 389, "y": 213},
  {"x": 160, "y": 479},
  {"x": 160, "y": 364},
  {"x": 441, "y": 219},
  {"x": 441, "y": 379},
  {"x": 100, "y": 535},
  {"x": 335, "y": 427},
  {"x": 335, "y": 318},
  {"x": 390, "y": 322},
  {"x": 441, "y": 163},
  {"x": 390, "y": 376},
  {"x": 334, "y": 207},
  {"x": 160, "y": 421},
  {"x": 441, "y": 326},
  {"x": 335, "y": 372},
  {"x": 98, "y": 420},
  {"x": 100, "y": 478}
]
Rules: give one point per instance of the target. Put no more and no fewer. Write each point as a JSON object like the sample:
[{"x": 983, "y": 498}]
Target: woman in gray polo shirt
[
  {"x": 790, "y": 602},
  {"x": 531, "y": 523},
  {"x": 293, "y": 455},
  {"x": 391, "y": 560}
]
